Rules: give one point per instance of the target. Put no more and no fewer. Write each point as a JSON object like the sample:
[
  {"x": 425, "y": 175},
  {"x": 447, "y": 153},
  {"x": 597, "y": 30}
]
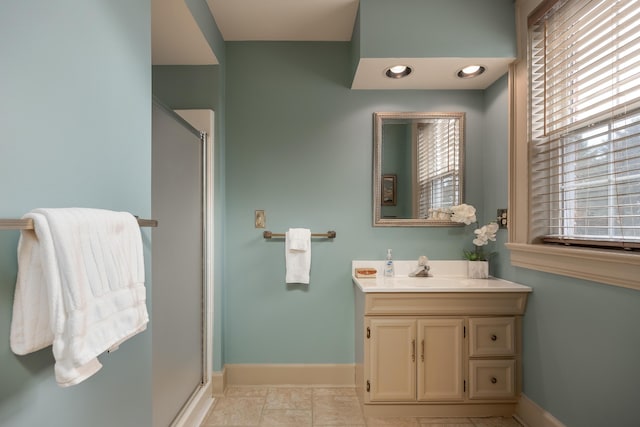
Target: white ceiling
[
  {"x": 293, "y": 20},
  {"x": 177, "y": 39}
]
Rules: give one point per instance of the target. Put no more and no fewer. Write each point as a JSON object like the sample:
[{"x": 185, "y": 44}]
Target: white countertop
[{"x": 448, "y": 276}]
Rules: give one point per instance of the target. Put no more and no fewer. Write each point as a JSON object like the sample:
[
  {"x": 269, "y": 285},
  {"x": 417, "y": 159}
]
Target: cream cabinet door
[
  {"x": 392, "y": 359},
  {"x": 440, "y": 363}
]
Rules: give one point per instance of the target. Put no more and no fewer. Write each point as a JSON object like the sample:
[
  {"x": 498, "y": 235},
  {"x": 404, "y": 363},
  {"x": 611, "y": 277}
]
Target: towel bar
[
  {"x": 328, "y": 234},
  {"x": 27, "y": 224}
]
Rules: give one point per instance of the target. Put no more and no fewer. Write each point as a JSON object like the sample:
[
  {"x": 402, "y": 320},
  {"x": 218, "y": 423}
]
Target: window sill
[{"x": 615, "y": 268}]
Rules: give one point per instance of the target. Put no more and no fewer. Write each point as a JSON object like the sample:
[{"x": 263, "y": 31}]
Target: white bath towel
[
  {"x": 297, "y": 255},
  {"x": 80, "y": 287}
]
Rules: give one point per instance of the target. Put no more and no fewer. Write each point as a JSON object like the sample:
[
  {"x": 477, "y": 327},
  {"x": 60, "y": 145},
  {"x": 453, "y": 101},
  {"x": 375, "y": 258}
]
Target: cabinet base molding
[
  {"x": 440, "y": 410},
  {"x": 530, "y": 414},
  {"x": 290, "y": 374}
]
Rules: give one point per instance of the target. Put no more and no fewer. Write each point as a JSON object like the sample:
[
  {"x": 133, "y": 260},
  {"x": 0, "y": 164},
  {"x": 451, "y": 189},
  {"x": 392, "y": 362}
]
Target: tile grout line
[
  {"x": 264, "y": 403},
  {"x": 313, "y": 400}
]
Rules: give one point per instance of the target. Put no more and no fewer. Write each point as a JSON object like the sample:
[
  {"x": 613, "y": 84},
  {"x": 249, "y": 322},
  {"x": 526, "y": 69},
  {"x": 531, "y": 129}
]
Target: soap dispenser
[{"x": 388, "y": 265}]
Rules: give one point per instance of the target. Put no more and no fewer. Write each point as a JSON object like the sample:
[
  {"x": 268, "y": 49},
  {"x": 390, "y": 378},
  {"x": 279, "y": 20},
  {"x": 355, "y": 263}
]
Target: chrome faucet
[{"x": 423, "y": 268}]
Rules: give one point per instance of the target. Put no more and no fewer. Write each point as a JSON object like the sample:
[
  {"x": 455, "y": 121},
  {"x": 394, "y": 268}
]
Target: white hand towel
[
  {"x": 80, "y": 287},
  {"x": 298, "y": 255}
]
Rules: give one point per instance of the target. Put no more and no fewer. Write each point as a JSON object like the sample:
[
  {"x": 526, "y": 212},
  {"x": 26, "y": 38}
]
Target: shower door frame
[
  {"x": 201, "y": 124},
  {"x": 197, "y": 407}
]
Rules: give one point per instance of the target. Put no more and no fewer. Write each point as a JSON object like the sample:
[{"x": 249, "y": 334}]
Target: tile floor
[{"x": 316, "y": 407}]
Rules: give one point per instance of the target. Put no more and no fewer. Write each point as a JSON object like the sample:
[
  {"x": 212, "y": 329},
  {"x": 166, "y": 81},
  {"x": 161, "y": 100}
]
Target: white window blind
[
  {"x": 585, "y": 123},
  {"x": 438, "y": 164}
]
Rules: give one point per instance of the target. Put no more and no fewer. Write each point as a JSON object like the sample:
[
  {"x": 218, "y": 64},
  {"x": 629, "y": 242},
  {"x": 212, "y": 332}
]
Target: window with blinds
[
  {"x": 438, "y": 165},
  {"x": 585, "y": 123}
]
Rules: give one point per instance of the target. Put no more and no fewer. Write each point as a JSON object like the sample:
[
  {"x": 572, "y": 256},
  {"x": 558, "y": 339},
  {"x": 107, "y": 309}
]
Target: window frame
[{"x": 607, "y": 266}]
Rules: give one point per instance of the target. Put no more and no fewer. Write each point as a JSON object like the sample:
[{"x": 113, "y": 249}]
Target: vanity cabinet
[
  {"x": 415, "y": 359},
  {"x": 439, "y": 353}
]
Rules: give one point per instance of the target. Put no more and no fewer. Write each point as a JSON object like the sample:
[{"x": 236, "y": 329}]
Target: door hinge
[
  {"x": 464, "y": 386},
  {"x": 368, "y": 385},
  {"x": 464, "y": 332},
  {"x": 368, "y": 332}
]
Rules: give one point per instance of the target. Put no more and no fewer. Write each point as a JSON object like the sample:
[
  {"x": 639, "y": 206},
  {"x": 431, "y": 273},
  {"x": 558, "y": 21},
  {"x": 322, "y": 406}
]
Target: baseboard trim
[
  {"x": 530, "y": 414},
  {"x": 290, "y": 374}
]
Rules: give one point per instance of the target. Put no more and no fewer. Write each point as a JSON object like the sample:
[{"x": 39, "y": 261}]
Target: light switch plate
[{"x": 260, "y": 219}]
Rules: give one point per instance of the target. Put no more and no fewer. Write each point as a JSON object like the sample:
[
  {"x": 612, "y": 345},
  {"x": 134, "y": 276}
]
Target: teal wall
[
  {"x": 436, "y": 28},
  {"x": 75, "y": 130},
  {"x": 494, "y": 157},
  {"x": 581, "y": 339},
  {"x": 355, "y": 45},
  {"x": 299, "y": 146},
  {"x": 206, "y": 22}
]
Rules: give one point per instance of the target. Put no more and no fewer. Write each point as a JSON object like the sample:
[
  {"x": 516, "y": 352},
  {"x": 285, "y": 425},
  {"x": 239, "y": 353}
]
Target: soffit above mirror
[
  {"x": 436, "y": 39},
  {"x": 428, "y": 73}
]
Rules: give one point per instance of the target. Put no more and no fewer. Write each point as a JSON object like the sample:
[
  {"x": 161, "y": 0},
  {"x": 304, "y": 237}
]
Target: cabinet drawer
[
  {"x": 492, "y": 379},
  {"x": 492, "y": 336}
]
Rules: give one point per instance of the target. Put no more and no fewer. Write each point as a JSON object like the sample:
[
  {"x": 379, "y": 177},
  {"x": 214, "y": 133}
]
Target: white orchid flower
[
  {"x": 466, "y": 214},
  {"x": 463, "y": 213},
  {"x": 492, "y": 229},
  {"x": 485, "y": 234}
]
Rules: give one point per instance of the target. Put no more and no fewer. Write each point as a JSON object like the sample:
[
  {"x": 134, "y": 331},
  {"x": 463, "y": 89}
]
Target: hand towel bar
[{"x": 328, "y": 234}]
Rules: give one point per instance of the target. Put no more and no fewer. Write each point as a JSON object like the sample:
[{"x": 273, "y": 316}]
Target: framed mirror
[{"x": 418, "y": 168}]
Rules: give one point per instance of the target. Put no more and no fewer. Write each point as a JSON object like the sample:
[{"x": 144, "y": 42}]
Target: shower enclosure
[{"x": 180, "y": 305}]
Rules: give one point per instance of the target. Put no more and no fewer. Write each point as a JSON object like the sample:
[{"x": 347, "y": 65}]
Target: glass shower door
[{"x": 177, "y": 306}]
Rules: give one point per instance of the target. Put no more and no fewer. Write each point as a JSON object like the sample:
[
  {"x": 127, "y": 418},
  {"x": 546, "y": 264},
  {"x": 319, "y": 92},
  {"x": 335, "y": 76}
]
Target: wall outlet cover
[{"x": 502, "y": 218}]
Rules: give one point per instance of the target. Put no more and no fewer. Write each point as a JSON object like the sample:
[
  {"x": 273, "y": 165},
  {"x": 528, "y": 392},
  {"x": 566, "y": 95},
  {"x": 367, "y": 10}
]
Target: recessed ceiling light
[
  {"x": 471, "y": 71},
  {"x": 398, "y": 71}
]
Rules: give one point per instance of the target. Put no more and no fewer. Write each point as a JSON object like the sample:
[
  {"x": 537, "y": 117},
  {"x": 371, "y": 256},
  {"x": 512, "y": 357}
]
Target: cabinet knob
[
  {"x": 494, "y": 337},
  {"x": 494, "y": 380}
]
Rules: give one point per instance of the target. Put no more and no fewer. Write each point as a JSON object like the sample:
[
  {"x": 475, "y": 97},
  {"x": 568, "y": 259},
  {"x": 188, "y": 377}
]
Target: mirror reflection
[{"x": 418, "y": 168}]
